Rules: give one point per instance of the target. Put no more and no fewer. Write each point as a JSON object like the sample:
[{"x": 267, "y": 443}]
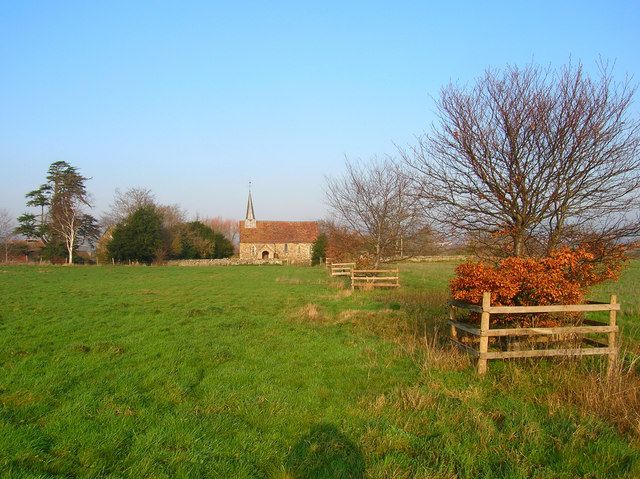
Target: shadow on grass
[{"x": 325, "y": 452}]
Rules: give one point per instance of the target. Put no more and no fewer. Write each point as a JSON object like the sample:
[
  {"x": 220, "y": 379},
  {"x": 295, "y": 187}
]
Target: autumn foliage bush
[
  {"x": 343, "y": 244},
  {"x": 563, "y": 277}
]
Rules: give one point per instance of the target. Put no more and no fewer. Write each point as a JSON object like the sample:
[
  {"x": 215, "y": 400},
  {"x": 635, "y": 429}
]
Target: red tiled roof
[{"x": 280, "y": 232}]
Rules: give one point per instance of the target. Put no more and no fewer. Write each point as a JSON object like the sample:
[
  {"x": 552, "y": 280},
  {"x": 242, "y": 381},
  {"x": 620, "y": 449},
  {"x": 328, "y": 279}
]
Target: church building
[{"x": 286, "y": 240}]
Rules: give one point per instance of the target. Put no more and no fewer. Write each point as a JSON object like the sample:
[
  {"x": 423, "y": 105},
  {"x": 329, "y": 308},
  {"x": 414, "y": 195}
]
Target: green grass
[{"x": 269, "y": 372}]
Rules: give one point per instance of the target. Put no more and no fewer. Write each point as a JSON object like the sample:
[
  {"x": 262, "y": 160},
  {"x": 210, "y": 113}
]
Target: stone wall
[
  {"x": 293, "y": 253},
  {"x": 223, "y": 262}
]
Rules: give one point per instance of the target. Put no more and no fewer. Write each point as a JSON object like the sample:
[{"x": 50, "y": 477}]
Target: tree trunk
[
  {"x": 518, "y": 245},
  {"x": 70, "y": 243}
]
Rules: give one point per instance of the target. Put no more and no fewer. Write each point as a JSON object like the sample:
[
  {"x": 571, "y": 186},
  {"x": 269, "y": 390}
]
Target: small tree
[
  {"x": 374, "y": 200},
  {"x": 343, "y": 244},
  {"x": 7, "y": 232},
  {"x": 196, "y": 241},
  {"x": 138, "y": 238},
  {"x": 228, "y": 227},
  {"x": 319, "y": 249},
  {"x": 173, "y": 219},
  {"x": 40, "y": 198},
  {"x": 223, "y": 246}
]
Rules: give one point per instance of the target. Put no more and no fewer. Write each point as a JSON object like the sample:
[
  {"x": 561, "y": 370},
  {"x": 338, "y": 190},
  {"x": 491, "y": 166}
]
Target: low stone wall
[
  {"x": 224, "y": 262},
  {"x": 435, "y": 259}
]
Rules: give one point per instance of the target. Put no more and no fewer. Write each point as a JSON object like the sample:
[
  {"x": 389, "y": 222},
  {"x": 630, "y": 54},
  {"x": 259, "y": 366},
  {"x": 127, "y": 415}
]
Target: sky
[{"x": 193, "y": 100}]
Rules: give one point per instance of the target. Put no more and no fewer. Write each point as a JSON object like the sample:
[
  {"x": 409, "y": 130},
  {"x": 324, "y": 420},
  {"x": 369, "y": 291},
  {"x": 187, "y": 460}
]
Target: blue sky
[{"x": 194, "y": 99}]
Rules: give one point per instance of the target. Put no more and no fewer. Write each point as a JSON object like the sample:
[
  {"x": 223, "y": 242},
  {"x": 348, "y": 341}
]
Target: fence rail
[
  {"x": 484, "y": 332},
  {"x": 342, "y": 269},
  {"x": 375, "y": 278}
]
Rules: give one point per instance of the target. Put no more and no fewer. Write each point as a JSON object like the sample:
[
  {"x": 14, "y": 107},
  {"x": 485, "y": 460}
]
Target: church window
[{"x": 286, "y": 248}]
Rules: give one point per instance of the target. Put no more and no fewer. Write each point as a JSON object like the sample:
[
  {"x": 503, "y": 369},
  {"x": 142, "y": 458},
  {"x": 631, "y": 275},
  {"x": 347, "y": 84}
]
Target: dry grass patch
[
  {"x": 310, "y": 312},
  {"x": 386, "y": 323},
  {"x": 438, "y": 353},
  {"x": 17, "y": 399},
  {"x": 343, "y": 293},
  {"x": 415, "y": 398},
  {"x": 613, "y": 397},
  {"x": 283, "y": 280}
]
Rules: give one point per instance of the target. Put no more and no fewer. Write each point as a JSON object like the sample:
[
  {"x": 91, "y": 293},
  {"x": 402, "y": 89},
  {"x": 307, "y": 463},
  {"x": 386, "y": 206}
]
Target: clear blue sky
[{"x": 194, "y": 99}]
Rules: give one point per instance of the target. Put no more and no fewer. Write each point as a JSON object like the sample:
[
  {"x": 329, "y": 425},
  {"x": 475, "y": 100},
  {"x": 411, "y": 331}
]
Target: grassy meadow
[{"x": 283, "y": 372}]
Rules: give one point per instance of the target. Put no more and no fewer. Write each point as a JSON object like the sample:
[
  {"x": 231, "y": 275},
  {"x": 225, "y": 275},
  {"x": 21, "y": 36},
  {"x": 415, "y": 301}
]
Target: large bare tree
[
  {"x": 540, "y": 157},
  {"x": 373, "y": 199}
]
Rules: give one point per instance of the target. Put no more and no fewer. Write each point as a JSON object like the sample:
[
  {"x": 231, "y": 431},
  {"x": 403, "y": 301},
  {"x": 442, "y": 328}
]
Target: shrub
[
  {"x": 343, "y": 244},
  {"x": 563, "y": 277},
  {"x": 196, "y": 240}
]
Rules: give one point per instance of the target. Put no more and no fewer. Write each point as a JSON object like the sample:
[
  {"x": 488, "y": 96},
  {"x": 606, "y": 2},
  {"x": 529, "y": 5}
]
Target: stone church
[{"x": 286, "y": 240}]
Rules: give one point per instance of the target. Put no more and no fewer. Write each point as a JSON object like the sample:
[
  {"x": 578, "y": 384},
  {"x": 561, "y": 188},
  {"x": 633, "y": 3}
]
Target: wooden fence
[
  {"x": 375, "y": 278},
  {"x": 342, "y": 269},
  {"x": 560, "y": 334}
]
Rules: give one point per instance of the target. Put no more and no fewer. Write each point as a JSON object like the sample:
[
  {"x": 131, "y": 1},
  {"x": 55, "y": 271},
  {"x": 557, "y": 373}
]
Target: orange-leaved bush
[{"x": 563, "y": 277}]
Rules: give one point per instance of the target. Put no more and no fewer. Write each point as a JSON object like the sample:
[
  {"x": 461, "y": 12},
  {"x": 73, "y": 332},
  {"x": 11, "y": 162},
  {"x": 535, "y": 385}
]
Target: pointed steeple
[{"x": 250, "y": 220}]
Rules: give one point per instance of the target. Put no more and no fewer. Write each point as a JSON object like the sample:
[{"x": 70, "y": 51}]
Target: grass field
[{"x": 277, "y": 372}]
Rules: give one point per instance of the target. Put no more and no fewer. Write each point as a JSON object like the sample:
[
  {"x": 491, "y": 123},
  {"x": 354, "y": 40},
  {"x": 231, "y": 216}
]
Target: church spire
[{"x": 250, "y": 220}]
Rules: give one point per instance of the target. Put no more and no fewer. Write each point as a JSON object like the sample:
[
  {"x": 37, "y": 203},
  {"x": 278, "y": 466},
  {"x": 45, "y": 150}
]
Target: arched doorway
[{"x": 265, "y": 255}]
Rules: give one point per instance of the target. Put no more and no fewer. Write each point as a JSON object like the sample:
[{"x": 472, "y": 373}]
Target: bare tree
[
  {"x": 228, "y": 227},
  {"x": 126, "y": 203},
  {"x": 173, "y": 218},
  {"x": 7, "y": 231},
  {"x": 535, "y": 156},
  {"x": 373, "y": 200}
]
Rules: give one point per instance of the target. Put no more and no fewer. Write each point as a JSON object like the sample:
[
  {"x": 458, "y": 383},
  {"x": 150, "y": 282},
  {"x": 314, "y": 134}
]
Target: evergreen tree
[
  {"x": 319, "y": 249},
  {"x": 62, "y": 222},
  {"x": 138, "y": 238}
]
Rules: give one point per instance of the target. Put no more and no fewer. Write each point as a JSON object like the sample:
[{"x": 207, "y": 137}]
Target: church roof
[{"x": 280, "y": 232}]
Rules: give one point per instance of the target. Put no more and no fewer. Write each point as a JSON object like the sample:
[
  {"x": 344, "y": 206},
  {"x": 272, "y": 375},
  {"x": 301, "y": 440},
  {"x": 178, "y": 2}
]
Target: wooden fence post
[
  {"x": 613, "y": 355},
  {"x": 484, "y": 327},
  {"x": 353, "y": 286},
  {"x": 452, "y": 318}
]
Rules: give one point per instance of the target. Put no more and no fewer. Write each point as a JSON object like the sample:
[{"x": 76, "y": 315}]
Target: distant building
[
  {"x": 286, "y": 240},
  {"x": 22, "y": 251}
]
